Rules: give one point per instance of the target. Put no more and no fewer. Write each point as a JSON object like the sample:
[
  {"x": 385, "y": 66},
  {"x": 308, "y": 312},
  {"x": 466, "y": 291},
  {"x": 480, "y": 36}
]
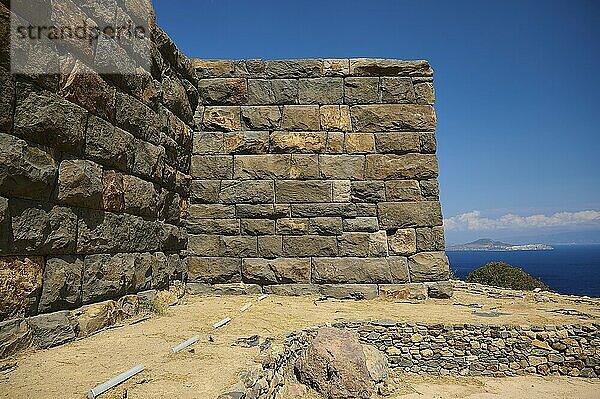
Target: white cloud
[{"x": 475, "y": 222}]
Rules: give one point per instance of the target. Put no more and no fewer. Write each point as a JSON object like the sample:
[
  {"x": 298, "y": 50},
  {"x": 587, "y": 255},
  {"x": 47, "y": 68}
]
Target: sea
[{"x": 567, "y": 269}]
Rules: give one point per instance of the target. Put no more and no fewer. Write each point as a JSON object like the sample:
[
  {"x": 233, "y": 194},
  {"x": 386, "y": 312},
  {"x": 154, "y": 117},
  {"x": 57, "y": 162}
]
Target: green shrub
[{"x": 500, "y": 274}]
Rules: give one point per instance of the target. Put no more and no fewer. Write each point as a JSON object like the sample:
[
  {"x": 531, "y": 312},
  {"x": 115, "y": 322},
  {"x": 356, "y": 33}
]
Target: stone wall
[
  {"x": 93, "y": 175},
  {"x": 315, "y": 172}
]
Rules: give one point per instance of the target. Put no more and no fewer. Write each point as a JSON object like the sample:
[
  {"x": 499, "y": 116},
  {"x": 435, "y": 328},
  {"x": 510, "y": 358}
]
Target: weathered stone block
[
  {"x": 368, "y": 191},
  {"x": 290, "y": 191},
  {"x": 42, "y": 229},
  {"x": 398, "y": 142},
  {"x": 361, "y": 90},
  {"x": 361, "y": 224},
  {"x": 309, "y": 245},
  {"x": 291, "y": 289},
  {"x": 325, "y": 226},
  {"x": 268, "y": 92},
  {"x": 430, "y": 189},
  {"x": 328, "y": 90},
  {"x": 342, "y": 166},
  {"x": 363, "y": 244},
  {"x": 397, "y": 90},
  {"x": 225, "y": 119},
  {"x": 149, "y": 160},
  {"x": 377, "y": 118},
  {"x": 336, "y": 66},
  {"x": 48, "y": 119},
  {"x": 140, "y": 196},
  {"x": 409, "y": 166},
  {"x": 61, "y": 284},
  {"x": 341, "y": 190},
  {"x": 403, "y": 242},
  {"x": 430, "y": 239},
  {"x": 246, "y": 142},
  {"x": 366, "y": 210},
  {"x": 301, "y": 68},
  {"x": 424, "y": 93},
  {"x": 108, "y": 276},
  {"x": 270, "y": 246},
  {"x": 223, "y": 91},
  {"x": 103, "y": 232},
  {"x": 300, "y": 117},
  {"x": 440, "y": 289},
  {"x": 257, "y": 227},
  {"x": 428, "y": 142},
  {"x": 335, "y": 117},
  {"x": 316, "y": 210},
  {"x": 212, "y": 166},
  {"x": 214, "y": 270},
  {"x": 359, "y": 143},
  {"x": 261, "y": 117},
  {"x": 402, "y": 190},
  {"x": 304, "y": 166},
  {"x": 276, "y": 271},
  {"x": 292, "y": 226},
  {"x": 208, "y": 143},
  {"x": 335, "y": 143},
  {"x": 350, "y": 270},
  {"x": 271, "y": 166},
  {"x": 398, "y": 292},
  {"x": 204, "y": 244},
  {"x": 53, "y": 329},
  {"x": 298, "y": 141},
  {"x": 349, "y": 291},
  {"x": 108, "y": 145},
  {"x": 271, "y": 211},
  {"x": 213, "y": 68},
  {"x": 211, "y": 211},
  {"x": 399, "y": 268},
  {"x": 95, "y": 317},
  {"x": 15, "y": 335},
  {"x": 175, "y": 98},
  {"x": 205, "y": 190},
  {"x": 389, "y": 67},
  {"x": 409, "y": 214},
  {"x": 246, "y": 191},
  {"x": 429, "y": 266},
  {"x": 26, "y": 170},
  {"x": 213, "y": 226},
  {"x": 20, "y": 285},
  {"x": 137, "y": 118},
  {"x": 238, "y": 246},
  {"x": 80, "y": 183}
]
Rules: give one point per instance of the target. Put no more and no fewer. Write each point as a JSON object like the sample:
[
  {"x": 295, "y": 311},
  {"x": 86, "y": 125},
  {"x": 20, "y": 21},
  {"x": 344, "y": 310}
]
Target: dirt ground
[{"x": 70, "y": 370}]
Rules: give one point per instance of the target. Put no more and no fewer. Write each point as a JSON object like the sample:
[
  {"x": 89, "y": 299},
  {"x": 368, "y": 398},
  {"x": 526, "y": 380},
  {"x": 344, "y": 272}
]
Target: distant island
[{"x": 487, "y": 244}]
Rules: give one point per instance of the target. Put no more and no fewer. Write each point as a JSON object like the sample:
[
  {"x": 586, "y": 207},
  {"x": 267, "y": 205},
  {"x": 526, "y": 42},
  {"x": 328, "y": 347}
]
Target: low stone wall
[{"x": 93, "y": 172}]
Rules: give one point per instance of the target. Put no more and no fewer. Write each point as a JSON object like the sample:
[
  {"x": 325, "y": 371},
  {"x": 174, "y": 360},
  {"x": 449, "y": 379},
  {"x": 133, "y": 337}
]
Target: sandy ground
[{"x": 70, "y": 370}]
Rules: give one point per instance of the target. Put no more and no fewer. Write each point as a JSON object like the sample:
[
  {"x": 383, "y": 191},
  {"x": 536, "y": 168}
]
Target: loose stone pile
[{"x": 315, "y": 171}]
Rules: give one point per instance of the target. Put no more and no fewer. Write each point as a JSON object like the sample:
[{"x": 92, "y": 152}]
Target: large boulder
[{"x": 335, "y": 365}]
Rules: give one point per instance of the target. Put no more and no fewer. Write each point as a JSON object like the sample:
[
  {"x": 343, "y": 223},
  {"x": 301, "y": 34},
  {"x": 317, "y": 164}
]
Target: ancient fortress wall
[
  {"x": 93, "y": 177},
  {"x": 315, "y": 172}
]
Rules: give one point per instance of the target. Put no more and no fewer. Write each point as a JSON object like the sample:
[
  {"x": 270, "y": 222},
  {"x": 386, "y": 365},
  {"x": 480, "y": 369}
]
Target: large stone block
[
  {"x": 425, "y": 93},
  {"x": 292, "y": 226},
  {"x": 359, "y": 143},
  {"x": 205, "y": 190},
  {"x": 298, "y": 141},
  {"x": 109, "y": 276},
  {"x": 397, "y": 142},
  {"x": 140, "y": 196},
  {"x": 261, "y": 117},
  {"x": 213, "y": 226},
  {"x": 350, "y": 270},
  {"x": 256, "y": 227},
  {"x": 42, "y": 229},
  {"x": 409, "y": 166},
  {"x": 20, "y": 285},
  {"x": 403, "y": 242},
  {"x": 336, "y": 66},
  {"x": 213, "y": 68},
  {"x": 137, "y": 118},
  {"x": 83, "y": 86},
  {"x": 309, "y": 245},
  {"x": 335, "y": 117},
  {"x": 238, "y": 246},
  {"x": 276, "y": 271},
  {"x": 26, "y": 170},
  {"x": 102, "y": 232},
  {"x": 429, "y": 266},
  {"x": 212, "y": 167},
  {"x": 93, "y": 318},
  {"x": 291, "y": 289},
  {"x": 149, "y": 160},
  {"x": 397, "y": 90},
  {"x": 225, "y": 119},
  {"x": 223, "y": 91},
  {"x": 389, "y": 67},
  {"x": 368, "y": 191},
  {"x": 15, "y": 336},
  {"x": 268, "y": 92},
  {"x": 271, "y": 166},
  {"x": 377, "y": 118},
  {"x": 327, "y": 90},
  {"x": 290, "y": 191},
  {"x": 321, "y": 209},
  {"x": 80, "y": 183},
  {"x": 259, "y": 211},
  {"x": 246, "y": 142},
  {"x": 113, "y": 195},
  {"x": 176, "y": 99},
  {"x": 430, "y": 239},
  {"x": 48, "y": 119},
  {"x": 361, "y": 224},
  {"x": 349, "y": 291},
  {"x": 304, "y": 166},
  {"x": 363, "y": 244},
  {"x": 300, "y": 117},
  {"x": 270, "y": 246},
  {"x": 342, "y": 166},
  {"x": 61, "y": 284},
  {"x": 210, "y": 211},
  {"x": 409, "y": 214},
  {"x": 361, "y": 90},
  {"x": 214, "y": 270},
  {"x": 246, "y": 191},
  {"x": 325, "y": 226},
  {"x": 402, "y": 190},
  {"x": 53, "y": 329},
  {"x": 301, "y": 68},
  {"x": 430, "y": 189},
  {"x": 108, "y": 145},
  {"x": 208, "y": 143},
  {"x": 204, "y": 244}
]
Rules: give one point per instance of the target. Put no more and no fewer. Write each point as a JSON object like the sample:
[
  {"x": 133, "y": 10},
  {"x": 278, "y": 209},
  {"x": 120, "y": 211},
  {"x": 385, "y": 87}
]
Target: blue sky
[{"x": 517, "y": 87}]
